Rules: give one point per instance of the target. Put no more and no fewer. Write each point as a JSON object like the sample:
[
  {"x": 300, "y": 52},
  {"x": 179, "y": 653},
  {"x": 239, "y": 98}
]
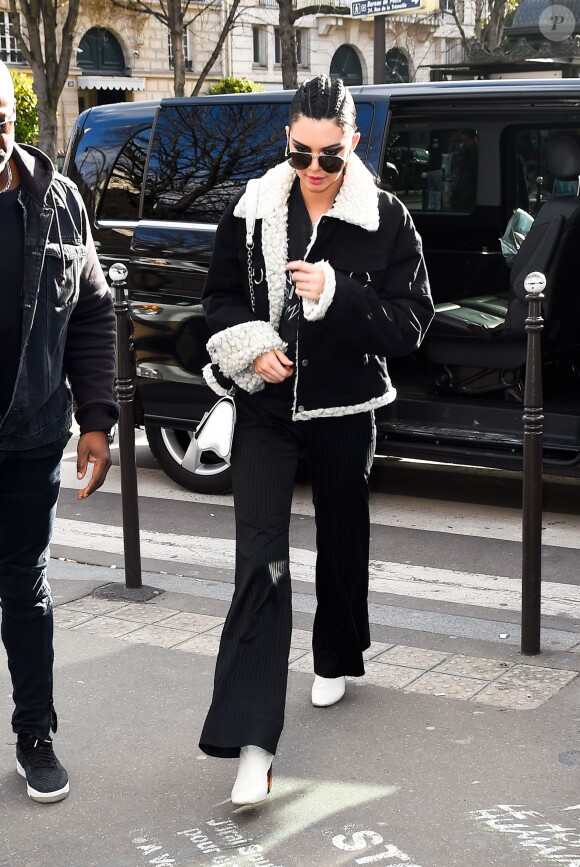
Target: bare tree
[
  {"x": 489, "y": 21},
  {"x": 494, "y": 25},
  {"x": 46, "y": 41},
  {"x": 176, "y": 16},
  {"x": 228, "y": 25},
  {"x": 288, "y": 17}
]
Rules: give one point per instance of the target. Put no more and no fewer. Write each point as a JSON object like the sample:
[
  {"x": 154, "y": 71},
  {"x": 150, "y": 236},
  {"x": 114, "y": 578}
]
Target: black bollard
[
  {"x": 125, "y": 395},
  {"x": 533, "y": 419}
]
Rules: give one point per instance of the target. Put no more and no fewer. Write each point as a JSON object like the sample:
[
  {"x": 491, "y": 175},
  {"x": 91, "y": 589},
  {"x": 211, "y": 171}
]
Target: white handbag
[{"x": 215, "y": 432}]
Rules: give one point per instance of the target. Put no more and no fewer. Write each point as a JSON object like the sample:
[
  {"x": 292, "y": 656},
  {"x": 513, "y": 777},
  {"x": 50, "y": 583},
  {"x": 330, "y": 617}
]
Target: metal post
[
  {"x": 125, "y": 396},
  {"x": 379, "y": 61},
  {"x": 533, "y": 419}
]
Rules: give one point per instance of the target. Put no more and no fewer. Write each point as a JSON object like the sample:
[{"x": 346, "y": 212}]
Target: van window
[
  {"x": 432, "y": 168},
  {"x": 529, "y": 153},
  {"x": 202, "y": 155},
  {"x": 123, "y": 193}
]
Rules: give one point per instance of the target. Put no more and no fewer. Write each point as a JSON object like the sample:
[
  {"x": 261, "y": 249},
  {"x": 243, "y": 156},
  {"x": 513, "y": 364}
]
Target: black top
[
  {"x": 12, "y": 259},
  {"x": 299, "y": 233}
]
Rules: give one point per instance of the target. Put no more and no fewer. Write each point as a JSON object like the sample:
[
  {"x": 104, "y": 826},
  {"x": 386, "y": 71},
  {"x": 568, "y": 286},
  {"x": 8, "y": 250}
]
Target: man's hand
[{"x": 93, "y": 448}]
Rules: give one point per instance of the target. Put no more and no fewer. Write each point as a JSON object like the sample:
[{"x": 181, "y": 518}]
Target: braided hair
[{"x": 322, "y": 98}]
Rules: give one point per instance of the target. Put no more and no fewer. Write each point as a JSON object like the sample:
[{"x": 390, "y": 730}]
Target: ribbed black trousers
[{"x": 252, "y": 666}]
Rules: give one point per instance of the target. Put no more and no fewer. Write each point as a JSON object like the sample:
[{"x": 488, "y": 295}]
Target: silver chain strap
[
  {"x": 250, "y": 249},
  {"x": 252, "y": 192}
]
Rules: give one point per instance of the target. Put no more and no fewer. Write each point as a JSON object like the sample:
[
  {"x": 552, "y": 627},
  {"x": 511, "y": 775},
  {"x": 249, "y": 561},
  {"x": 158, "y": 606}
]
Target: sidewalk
[{"x": 411, "y": 768}]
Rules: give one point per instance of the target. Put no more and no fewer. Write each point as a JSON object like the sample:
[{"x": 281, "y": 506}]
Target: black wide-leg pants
[{"x": 252, "y": 666}]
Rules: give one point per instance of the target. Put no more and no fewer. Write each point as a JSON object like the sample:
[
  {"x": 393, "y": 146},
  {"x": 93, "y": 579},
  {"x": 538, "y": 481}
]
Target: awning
[{"x": 110, "y": 82}]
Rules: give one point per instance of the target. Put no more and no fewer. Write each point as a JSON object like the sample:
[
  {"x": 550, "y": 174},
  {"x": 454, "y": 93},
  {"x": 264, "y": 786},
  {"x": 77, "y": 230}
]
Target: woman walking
[{"x": 302, "y": 318}]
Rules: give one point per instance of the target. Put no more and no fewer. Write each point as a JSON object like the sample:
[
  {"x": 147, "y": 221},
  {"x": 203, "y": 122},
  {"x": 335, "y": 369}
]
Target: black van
[{"x": 466, "y": 158}]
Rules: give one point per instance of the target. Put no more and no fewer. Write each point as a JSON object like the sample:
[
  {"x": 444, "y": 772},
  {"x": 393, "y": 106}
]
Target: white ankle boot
[
  {"x": 254, "y": 779},
  {"x": 327, "y": 690}
]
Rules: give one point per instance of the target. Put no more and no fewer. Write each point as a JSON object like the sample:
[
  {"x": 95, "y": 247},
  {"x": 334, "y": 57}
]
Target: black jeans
[
  {"x": 252, "y": 665},
  {"x": 29, "y": 487}
]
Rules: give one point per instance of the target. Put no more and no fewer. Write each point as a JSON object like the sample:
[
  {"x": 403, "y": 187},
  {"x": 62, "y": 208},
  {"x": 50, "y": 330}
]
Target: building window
[
  {"x": 186, "y": 55},
  {"x": 397, "y": 66},
  {"x": 259, "y": 38},
  {"x": 100, "y": 52},
  {"x": 302, "y": 48},
  {"x": 345, "y": 64},
  {"x": 9, "y": 52}
]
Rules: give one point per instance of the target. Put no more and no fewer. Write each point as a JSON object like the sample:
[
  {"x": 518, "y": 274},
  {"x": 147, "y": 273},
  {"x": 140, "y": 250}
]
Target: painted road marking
[
  {"x": 555, "y": 842},
  {"x": 400, "y": 579},
  {"x": 299, "y": 804}
]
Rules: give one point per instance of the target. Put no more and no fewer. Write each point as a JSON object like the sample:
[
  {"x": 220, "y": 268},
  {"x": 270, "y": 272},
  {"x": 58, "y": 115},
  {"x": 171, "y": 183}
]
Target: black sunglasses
[{"x": 302, "y": 160}]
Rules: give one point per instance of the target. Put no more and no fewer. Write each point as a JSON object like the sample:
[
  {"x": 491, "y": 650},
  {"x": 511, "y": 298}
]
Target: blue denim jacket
[{"x": 68, "y": 322}]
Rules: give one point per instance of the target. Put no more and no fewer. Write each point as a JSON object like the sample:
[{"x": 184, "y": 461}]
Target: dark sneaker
[{"x": 46, "y": 779}]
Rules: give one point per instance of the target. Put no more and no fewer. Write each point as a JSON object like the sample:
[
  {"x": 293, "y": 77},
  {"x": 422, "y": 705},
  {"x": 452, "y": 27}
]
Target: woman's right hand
[{"x": 273, "y": 366}]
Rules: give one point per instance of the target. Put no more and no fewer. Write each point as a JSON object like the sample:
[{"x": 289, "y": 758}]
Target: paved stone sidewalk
[{"x": 506, "y": 685}]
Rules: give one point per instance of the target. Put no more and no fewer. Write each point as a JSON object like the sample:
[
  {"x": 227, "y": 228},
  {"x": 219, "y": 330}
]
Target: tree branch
[
  {"x": 319, "y": 9},
  {"x": 464, "y": 39},
  {"x": 229, "y": 23}
]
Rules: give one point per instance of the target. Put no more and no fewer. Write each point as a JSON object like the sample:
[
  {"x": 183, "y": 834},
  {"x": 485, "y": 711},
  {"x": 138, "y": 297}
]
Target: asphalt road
[{"x": 454, "y": 750}]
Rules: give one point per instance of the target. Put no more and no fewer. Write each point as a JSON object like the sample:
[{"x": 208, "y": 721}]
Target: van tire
[{"x": 169, "y": 447}]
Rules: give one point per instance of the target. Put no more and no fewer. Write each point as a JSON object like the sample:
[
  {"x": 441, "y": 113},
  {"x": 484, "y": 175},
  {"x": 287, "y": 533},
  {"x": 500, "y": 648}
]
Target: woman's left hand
[{"x": 308, "y": 279}]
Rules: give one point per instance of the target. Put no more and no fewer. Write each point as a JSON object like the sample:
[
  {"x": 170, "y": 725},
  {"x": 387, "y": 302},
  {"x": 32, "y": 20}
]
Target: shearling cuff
[
  {"x": 315, "y": 310},
  {"x": 234, "y": 349},
  {"x": 249, "y": 380},
  {"x": 210, "y": 378}
]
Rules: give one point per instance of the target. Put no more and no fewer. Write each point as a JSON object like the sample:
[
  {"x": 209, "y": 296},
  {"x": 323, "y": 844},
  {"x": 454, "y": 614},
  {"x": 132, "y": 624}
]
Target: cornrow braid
[{"x": 322, "y": 98}]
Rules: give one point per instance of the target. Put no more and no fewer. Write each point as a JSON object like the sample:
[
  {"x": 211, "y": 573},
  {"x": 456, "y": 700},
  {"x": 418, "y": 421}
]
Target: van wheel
[{"x": 172, "y": 449}]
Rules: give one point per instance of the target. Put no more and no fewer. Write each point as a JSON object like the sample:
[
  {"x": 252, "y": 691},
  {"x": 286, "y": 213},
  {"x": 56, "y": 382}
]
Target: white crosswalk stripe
[
  {"x": 400, "y": 579},
  {"x": 560, "y": 530}
]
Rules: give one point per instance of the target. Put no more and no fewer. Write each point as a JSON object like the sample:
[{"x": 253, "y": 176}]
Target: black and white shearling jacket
[{"x": 376, "y": 301}]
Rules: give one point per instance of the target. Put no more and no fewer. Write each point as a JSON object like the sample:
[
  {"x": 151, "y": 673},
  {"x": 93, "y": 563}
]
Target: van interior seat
[
  {"x": 496, "y": 305},
  {"x": 455, "y": 316},
  {"x": 472, "y": 334}
]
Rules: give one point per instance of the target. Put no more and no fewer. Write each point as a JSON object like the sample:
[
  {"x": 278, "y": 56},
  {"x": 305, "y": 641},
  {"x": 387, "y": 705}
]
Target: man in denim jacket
[{"x": 56, "y": 329}]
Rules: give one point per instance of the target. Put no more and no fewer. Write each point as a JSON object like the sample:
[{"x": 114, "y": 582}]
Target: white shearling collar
[{"x": 356, "y": 202}]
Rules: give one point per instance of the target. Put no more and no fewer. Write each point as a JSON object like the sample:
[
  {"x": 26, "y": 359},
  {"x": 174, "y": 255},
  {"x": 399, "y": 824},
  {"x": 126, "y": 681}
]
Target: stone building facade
[{"x": 125, "y": 56}]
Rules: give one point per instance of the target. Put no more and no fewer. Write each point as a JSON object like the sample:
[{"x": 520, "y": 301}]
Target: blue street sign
[{"x": 382, "y": 7}]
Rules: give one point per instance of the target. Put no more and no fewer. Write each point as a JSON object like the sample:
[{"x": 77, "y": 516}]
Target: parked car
[{"x": 156, "y": 176}]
